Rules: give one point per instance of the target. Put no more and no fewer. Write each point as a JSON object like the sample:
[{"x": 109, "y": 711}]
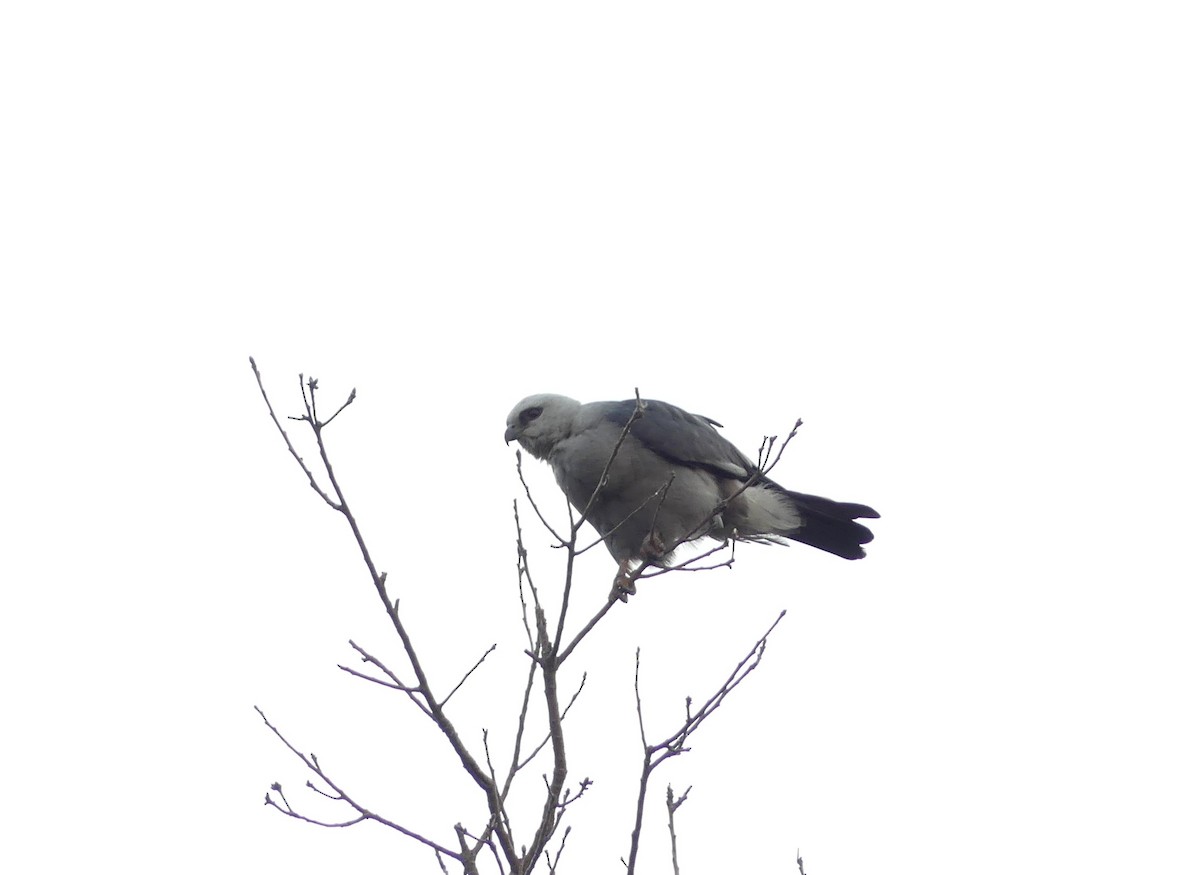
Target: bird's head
[{"x": 539, "y": 422}]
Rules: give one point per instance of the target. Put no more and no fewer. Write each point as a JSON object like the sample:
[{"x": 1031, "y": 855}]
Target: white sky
[{"x": 958, "y": 239}]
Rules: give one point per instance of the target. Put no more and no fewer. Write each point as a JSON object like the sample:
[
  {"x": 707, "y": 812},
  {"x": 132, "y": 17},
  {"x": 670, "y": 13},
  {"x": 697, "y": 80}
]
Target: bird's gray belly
[{"x": 643, "y": 493}]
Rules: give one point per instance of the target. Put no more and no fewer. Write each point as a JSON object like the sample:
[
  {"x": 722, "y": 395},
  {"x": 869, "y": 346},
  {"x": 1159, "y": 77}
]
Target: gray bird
[{"x": 674, "y": 479}]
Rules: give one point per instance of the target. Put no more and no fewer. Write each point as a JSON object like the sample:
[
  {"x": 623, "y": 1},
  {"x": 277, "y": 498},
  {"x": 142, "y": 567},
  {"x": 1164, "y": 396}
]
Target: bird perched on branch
[{"x": 670, "y": 477}]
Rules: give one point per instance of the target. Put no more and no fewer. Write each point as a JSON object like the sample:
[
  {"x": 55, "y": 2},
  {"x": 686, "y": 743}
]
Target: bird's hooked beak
[{"x": 510, "y": 435}]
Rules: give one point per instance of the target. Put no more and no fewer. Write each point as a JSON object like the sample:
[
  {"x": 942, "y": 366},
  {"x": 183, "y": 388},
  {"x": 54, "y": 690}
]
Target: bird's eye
[{"x": 529, "y": 414}]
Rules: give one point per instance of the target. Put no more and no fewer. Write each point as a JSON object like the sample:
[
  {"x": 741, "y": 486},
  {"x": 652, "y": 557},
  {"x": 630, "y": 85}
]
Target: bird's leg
[
  {"x": 623, "y": 585},
  {"x": 653, "y": 548},
  {"x": 652, "y": 551}
]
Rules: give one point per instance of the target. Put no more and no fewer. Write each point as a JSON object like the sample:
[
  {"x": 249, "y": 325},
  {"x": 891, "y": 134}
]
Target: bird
[{"x": 673, "y": 479}]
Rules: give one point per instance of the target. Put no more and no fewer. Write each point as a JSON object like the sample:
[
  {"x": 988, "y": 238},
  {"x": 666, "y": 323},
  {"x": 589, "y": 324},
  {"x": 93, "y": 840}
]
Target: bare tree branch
[
  {"x": 395, "y": 682},
  {"x": 423, "y": 691},
  {"x": 689, "y": 563},
  {"x": 587, "y": 627},
  {"x": 673, "y": 806},
  {"x": 546, "y": 740},
  {"x": 548, "y": 661},
  {"x": 311, "y": 763},
  {"x": 655, "y": 755},
  {"x": 765, "y": 462},
  {"x": 562, "y": 542},
  {"x": 467, "y": 675},
  {"x": 287, "y": 440},
  {"x": 553, "y": 864}
]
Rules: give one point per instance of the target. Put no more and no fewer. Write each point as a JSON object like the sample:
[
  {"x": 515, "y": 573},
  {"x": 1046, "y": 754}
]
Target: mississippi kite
[{"x": 673, "y": 479}]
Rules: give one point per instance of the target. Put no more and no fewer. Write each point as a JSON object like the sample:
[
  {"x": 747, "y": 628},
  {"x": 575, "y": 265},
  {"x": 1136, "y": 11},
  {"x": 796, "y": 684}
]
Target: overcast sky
[{"x": 958, "y": 240}]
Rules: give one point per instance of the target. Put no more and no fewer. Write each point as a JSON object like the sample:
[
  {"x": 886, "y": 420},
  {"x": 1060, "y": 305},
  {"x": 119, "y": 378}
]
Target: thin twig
[
  {"x": 311, "y": 763},
  {"x": 345, "y": 404},
  {"x": 312, "y": 481},
  {"x": 529, "y": 495},
  {"x": 688, "y": 564},
  {"x": 544, "y": 741},
  {"x": 637, "y": 694},
  {"x": 523, "y": 575},
  {"x": 655, "y": 755},
  {"x": 766, "y": 469},
  {"x": 517, "y": 764},
  {"x": 553, "y": 864},
  {"x": 415, "y": 694},
  {"x": 586, "y": 628},
  {"x": 673, "y": 806},
  {"x": 486, "y": 653},
  {"x": 673, "y": 745},
  {"x": 374, "y": 680}
]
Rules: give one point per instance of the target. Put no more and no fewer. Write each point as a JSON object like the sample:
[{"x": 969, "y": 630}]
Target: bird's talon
[{"x": 623, "y": 586}]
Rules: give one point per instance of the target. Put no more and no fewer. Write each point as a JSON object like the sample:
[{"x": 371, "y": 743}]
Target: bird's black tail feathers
[{"x": 829, "y": 525}]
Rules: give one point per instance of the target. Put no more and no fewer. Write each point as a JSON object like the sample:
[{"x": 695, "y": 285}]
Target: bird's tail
[{"x": 829, "y": 525}]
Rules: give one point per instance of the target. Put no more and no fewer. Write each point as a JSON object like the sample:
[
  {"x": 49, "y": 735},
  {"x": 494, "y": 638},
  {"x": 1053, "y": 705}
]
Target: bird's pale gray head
[{"x": 539, "y": 422}]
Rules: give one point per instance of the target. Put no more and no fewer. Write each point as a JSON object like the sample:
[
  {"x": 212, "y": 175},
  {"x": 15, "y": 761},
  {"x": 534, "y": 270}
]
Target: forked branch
[
  {"x": 675, "y": 744},
  {"x": 336, "y": 794}
]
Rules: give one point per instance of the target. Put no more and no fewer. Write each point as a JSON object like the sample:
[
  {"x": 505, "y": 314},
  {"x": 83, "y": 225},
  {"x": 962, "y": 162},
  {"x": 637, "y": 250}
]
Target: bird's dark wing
[{"x": 682, "y": 437}]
